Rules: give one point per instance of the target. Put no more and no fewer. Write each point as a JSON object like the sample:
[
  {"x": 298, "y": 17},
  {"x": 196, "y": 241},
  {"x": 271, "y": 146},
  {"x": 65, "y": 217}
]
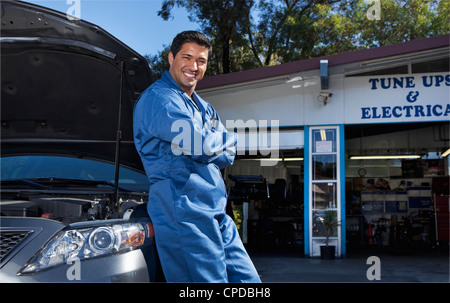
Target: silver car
[{"x": 73, "y": 190}]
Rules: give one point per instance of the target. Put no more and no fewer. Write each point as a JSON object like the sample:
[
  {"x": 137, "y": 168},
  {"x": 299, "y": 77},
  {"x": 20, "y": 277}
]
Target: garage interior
[
  {"x": 268, "y": 200},
  {"x": 396, "y": 204}
]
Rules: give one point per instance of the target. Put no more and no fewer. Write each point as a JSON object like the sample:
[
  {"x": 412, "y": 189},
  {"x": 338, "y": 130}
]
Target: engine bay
[{"x": 70, "y": 209}]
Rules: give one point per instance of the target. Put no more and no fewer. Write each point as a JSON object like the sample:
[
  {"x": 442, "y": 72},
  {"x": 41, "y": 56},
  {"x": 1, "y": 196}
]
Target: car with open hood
[{"x": 73, "y": 189}]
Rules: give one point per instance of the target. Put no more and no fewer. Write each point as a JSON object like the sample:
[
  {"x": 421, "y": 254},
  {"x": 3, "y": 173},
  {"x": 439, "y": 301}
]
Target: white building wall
[
  {"x": 315, "y": 112},
  {"x": 294, "y": 100},
  {"x": 275, "y": 100}
]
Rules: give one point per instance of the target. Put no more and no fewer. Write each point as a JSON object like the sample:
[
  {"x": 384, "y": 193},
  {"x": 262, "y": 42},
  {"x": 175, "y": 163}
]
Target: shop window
[
  {"x": 324, "y": 141},
  {"x": 374, "y": 168},
  {"x": 317, "y": 227},
  {"x": 324, "y": 167},
  {"x": 433, "y": 66},
  {"x": 397, "y": 70},
  {"x": 440, "y": 65},
  {"x": 324, "y": 180},
  {"x": 324, "y": 195}
]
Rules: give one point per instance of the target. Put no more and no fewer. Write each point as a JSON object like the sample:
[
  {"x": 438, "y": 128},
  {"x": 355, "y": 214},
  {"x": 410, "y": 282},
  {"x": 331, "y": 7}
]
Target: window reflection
[
  {"x": 318, "y": 229},
  {"x": 324, "y": 167},
  {"x": 324, "y": 195}
]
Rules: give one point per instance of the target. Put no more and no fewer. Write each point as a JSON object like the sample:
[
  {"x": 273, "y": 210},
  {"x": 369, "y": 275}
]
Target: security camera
[
  {"x": 325, "y": 94},
  {"x": 323, "y": 97}
]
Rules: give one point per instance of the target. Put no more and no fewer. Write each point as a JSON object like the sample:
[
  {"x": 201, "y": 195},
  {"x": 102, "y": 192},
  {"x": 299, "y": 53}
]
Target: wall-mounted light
[{"x": 373, "y": 157}]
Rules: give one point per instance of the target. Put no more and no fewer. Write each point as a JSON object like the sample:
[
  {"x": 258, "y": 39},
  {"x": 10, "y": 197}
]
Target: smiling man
[
  {"x": 188, "y": 65},
  {"x": 196, "y": 240}
]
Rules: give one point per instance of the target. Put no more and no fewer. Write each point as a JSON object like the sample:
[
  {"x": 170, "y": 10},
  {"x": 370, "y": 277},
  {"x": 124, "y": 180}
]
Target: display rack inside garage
[
  {"x": 393, "y": 201},
  {"x": 398, "y": 217}
]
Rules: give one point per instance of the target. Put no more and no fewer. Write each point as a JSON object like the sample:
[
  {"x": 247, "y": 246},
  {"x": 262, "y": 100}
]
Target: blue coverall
[{"x": 183, "y": 145}]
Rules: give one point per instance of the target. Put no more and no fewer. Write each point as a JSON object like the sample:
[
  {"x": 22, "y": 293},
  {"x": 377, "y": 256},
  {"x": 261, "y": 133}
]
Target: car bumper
[{"x": 132, "y": 266}]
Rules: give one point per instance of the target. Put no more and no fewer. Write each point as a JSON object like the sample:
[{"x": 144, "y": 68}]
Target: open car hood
[{"x": 67, "y": 87}]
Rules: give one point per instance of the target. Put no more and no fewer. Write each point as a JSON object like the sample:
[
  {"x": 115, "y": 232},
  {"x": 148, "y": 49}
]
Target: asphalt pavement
[{"x": 430, "y": 265}]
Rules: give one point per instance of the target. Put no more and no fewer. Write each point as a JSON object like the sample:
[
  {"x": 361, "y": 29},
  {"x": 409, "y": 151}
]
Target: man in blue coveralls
[{"x": 183, "y": 145}]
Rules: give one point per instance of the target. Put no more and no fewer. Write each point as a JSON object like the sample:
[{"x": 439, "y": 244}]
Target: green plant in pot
[{"x": 330, "y": 223}]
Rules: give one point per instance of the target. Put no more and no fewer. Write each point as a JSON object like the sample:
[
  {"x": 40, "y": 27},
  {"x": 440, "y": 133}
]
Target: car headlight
[{"x": 85, "y": 243}]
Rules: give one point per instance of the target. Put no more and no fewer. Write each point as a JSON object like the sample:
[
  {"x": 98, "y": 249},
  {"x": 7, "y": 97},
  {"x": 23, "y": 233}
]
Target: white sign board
[{"x": 397, "y": 98}]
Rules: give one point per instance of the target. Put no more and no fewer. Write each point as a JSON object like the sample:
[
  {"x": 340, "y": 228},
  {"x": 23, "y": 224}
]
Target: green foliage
[
  {"x": 160, "y": 62},
  {"x": 225, "y": 23},
  {"x": 238, "y": 214},
  {"x": 330, "y": 222},
  {"x": 400, "y": 21},
  {"x": 256, "y": 33}
]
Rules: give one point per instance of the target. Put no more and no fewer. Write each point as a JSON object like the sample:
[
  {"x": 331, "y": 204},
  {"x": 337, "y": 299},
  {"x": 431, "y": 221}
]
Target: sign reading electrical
[{"x": 397, "y": 98}]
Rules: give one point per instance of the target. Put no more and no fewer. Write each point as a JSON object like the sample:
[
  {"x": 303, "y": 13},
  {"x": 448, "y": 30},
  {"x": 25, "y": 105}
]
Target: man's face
[{"x": 188, "y": 66}]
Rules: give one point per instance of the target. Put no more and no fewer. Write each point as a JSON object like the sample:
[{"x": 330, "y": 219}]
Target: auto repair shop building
[{"x": 362, "y": 134}]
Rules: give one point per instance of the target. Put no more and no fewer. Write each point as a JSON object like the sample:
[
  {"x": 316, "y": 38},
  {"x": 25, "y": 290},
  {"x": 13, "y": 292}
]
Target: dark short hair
[{"x": 190, "y": 37}]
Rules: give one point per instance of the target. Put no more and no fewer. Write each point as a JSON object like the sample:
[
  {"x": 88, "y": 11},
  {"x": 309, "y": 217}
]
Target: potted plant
[{"x": 329, "y": 223}]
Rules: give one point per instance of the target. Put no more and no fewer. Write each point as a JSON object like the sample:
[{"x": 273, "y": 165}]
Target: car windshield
[{"x": 32, "y": 167}]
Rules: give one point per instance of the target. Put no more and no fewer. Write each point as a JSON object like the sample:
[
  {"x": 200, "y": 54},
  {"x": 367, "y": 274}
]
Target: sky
[{"x": 134, "y": 22}]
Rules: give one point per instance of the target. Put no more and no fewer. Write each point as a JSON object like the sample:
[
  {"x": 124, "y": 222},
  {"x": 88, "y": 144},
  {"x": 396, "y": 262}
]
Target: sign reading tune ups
[{"x": 397, "y": 98}]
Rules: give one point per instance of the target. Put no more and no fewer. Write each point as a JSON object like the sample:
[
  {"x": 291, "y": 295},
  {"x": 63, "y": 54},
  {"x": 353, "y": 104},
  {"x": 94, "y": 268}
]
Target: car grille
[{"x": 9, "y": 240}]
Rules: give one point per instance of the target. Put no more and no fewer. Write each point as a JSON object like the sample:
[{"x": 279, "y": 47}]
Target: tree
[
  {"x": 304, "y": 29},
  {"x": 256, "y": 33},
  {"x": 160, "y": 62},
  {"x": 307, "y": 29},
  {"x": 222, "y": 20},
  {"x": 400, "y": 21},
  {"x": 285, "y": 27}
]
